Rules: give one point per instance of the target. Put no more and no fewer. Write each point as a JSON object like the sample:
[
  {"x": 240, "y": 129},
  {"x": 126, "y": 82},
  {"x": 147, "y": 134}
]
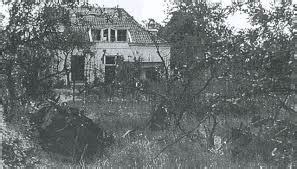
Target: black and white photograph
[{"x": 169, "y": 84}]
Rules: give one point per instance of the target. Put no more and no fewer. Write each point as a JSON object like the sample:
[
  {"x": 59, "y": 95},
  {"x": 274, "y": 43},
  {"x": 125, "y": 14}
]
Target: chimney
[{"x": 153, "y": 27}]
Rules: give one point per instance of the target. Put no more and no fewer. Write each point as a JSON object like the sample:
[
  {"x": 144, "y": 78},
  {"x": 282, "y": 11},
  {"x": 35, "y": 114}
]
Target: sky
[
  {"x": 157, "y": 9},
  {"x": 139, "y": 9}
]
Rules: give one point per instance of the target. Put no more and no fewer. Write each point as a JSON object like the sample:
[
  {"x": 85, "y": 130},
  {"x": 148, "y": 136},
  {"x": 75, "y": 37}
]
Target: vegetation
[
  {"x": 236, "y": 84},
  {"x": 224, "y": 100}
]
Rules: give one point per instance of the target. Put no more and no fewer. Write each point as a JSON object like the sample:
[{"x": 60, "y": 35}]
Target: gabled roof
[{"x": 117, "y": 18}]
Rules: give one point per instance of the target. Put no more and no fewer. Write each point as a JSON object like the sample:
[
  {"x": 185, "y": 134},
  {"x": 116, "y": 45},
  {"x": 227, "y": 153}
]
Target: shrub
[{"x": 18, "y": 150}]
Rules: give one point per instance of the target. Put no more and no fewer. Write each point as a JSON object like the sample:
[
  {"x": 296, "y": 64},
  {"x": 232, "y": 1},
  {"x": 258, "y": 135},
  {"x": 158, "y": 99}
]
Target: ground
[{"x": 136, "y": 146}]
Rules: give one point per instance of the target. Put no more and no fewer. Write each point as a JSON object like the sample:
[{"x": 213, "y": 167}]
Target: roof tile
[{"x": 116, "y": 18}]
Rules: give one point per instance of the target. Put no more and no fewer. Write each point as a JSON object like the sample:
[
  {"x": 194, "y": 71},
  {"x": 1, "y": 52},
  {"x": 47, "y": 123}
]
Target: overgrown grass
[{"x": 142, "y": 148}]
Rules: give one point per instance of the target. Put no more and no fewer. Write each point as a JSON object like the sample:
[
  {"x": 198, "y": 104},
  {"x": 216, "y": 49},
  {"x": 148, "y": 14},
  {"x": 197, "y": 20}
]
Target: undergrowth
[{"x": 141, "y": 148}]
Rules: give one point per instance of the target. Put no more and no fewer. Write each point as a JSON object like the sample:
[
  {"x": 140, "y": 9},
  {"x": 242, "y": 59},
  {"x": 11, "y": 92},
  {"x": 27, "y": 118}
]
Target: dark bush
[{"x": 66, "y": 131}]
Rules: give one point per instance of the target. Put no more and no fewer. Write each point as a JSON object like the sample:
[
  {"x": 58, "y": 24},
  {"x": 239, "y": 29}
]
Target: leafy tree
[
  {"x": 236, "y": 84},
  {"x": 34, "y": 40}
]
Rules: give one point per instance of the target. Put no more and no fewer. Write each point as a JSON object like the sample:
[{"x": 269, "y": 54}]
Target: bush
[
  {"x": 18, "y": 150},
  {"x": 66, "y": 131}
]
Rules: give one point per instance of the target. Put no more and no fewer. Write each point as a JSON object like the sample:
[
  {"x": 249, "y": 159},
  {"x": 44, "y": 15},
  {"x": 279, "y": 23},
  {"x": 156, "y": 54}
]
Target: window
[
  {"x": 109, "y": 35},
  {"x": 110, "y": 60},
  {"x": 112, "y": 35},
  {"x": 122, "y": 35},
  {"x": 105, "y": 35},
  {"x": 96, "y": 33}
]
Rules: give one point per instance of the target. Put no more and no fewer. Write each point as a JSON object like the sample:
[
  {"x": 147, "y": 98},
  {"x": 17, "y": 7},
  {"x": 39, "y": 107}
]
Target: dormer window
[
  {"x": 112, "y": 35},
  {"x": 105, "y": 35},
  {"x": 109, "y": 35},
  {"x": 122, "y": 35},
  {"x": 69, "y": 1},
  {"x": 97, "y": 34}
]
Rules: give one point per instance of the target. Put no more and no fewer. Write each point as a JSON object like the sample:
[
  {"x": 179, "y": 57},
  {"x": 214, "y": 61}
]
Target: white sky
[
  {"x": 157, "y": 9},
  {"x": 139, "y": 9}
]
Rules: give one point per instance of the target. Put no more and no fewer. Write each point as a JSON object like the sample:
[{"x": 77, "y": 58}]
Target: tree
[
  {"x": 236, "y": 84},
  {"x": 33, "y": 40}
]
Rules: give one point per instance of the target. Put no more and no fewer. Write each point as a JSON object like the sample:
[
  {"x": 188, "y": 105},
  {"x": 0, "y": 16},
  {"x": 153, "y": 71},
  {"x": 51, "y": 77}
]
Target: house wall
[
  {"x": 61, "y": 59},
  {"x": 149, "y": 53},
  {"x": 94, "y": 64},
  {"x": 104, "y": 49}
]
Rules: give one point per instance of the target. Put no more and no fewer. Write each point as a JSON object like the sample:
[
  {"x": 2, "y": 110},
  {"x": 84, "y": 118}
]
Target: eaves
[{"x": 150, "y": 44}]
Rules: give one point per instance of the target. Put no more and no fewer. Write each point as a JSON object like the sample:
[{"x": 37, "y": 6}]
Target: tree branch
[{"x": 181, "y": 137}]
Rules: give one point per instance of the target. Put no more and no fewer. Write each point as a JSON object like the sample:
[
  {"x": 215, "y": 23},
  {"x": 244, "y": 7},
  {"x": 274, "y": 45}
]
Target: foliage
[
  {"x": 19, "y": 147},
  {"x": 127, "y": 76},
  {"x": 220, "y": 83},
  {"x": 226, "y": 79},
  {"x": 31, "y": 50},
  {"x": 31, "y": 44}
]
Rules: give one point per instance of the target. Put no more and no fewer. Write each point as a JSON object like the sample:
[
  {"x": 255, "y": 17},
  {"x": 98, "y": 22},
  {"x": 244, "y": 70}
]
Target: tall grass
[{"x": 141, "y": 148}]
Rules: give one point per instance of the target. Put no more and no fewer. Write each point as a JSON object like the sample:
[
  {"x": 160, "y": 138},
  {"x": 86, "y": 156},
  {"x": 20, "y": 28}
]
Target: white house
[{"x": 113, "y": 33}]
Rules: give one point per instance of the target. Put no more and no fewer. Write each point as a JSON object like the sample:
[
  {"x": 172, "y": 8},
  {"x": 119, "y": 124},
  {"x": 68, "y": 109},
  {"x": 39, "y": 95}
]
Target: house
[{"x": 113, "y": 33}]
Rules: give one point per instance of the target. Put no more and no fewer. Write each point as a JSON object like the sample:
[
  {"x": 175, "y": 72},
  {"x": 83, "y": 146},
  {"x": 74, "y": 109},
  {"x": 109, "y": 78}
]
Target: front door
[
  {"x": 77, "y": 67},
  {"x": 110, "y": 67}
]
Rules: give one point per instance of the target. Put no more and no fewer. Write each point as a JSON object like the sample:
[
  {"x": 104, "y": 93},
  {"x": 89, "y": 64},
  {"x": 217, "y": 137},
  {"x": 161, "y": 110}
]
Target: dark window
[
  {"x": 96, "y": 33},
  {"x": 77, "y": 67},
  {"x": 110, "y": 60},
  {"x": 122, "y": 35},
  {"x": 105, "y": 35},
  {"x": 112, "y": 35}
]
